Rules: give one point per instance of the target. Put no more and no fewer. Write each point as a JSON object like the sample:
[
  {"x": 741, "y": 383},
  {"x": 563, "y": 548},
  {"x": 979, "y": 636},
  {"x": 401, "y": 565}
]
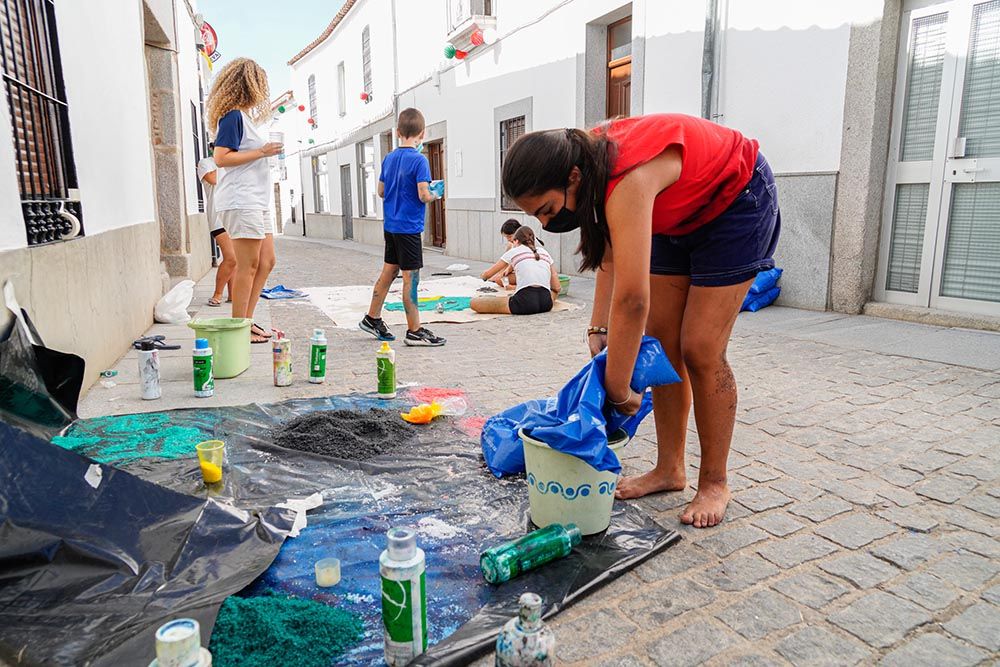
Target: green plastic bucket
[
  {"x": 564, "y": 281},
  {"x": 229, "y": 339},
  {"x": 564, "y": 489}
]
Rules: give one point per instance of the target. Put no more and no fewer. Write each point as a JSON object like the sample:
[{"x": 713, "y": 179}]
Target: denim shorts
[{"x": 734, "y": 247}]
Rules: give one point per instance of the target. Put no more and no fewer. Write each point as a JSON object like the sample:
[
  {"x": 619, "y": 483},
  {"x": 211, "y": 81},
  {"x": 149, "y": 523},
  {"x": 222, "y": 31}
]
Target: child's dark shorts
[
  {"x": 404, "y": 250},
  {"x": 734, "y": 247},
  {"x": 530, "y": 301}
]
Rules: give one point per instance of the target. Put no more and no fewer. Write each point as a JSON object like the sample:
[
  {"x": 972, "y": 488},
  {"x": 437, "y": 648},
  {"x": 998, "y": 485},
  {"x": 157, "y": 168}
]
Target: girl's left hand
[{"x": 630, "y": 407}]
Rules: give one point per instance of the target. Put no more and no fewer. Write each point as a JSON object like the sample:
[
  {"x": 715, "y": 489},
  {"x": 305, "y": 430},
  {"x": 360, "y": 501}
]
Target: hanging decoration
[
  {"x": 489, "y": 36},
  {"x": 312, "y": 141},
  {"x": 461, "y": 54},
  {"x": 449, "y": 51},
  {"x": 477, "y": 37},
  {"x": 302, "y": 107},
  {"x": 312, "y": 121},
  {"x": 366, "y": 97},
  {"x": 281, "y": 109}
]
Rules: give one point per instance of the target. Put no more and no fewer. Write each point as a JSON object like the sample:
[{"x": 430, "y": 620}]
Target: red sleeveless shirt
[{"x": 717, "y": 163}]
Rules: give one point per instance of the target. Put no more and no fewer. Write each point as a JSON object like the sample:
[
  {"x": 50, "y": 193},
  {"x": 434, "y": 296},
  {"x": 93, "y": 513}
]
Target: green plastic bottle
[
  {"x": 506, "y": 561},
  {"x": 385, "y": 360}
]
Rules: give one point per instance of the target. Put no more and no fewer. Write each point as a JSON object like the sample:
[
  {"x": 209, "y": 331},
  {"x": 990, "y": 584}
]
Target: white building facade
[
  {"x": 880, "y": 118},
  {"x": 99, "y": 137}
]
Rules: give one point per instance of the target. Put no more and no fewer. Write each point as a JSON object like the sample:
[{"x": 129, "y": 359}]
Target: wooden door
[
  {"x": 619, "y": 59},
  {"x": 435, "y": 155}
]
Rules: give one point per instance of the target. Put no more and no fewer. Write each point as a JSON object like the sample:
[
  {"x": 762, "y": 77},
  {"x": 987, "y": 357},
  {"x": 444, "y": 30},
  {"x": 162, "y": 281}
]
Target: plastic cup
[
  {"x": 327, "y": 572},
  {"x": 211, "y": 455}
]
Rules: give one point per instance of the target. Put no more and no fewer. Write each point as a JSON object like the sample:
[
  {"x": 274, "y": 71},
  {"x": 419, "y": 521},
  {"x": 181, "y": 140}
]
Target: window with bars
[
  {"x": 197, "y": 154},
  {"x": 321, "y": 184},
  {"x": 36, "y": 99},
  {"x": 312, "y": 98},
  {"x": 341, "y": 89},
  {"x": 510, "y": 130},
  {"x": 366, "y": 59}
]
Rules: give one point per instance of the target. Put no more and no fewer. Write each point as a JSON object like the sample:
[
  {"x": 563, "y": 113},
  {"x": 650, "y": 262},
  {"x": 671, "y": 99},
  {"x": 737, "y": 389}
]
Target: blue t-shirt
[{"x": 402, "y": 169}]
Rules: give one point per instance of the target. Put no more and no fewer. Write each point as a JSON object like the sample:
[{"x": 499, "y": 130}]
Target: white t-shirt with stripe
[{"x": 530, "y": 272}]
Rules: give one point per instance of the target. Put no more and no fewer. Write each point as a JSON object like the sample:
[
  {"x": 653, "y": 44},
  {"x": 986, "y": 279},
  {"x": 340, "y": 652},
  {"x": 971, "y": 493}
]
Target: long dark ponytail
[
  {"x": 526, "y": 236},
  {"x": 542, "y": 161}
]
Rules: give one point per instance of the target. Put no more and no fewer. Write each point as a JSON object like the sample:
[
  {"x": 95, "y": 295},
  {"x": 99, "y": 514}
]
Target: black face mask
[{"x": 563, "y": 221}]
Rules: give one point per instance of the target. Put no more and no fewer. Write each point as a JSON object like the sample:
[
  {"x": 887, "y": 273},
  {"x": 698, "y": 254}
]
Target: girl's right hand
[
  {"x": 597, "y": 342},
  {"x": 271, "y": 148}
]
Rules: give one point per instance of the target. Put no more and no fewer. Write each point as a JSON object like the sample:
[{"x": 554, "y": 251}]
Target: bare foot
[
  {"x": 708, "y": 506},
  {"x": 653, "y": 481}
]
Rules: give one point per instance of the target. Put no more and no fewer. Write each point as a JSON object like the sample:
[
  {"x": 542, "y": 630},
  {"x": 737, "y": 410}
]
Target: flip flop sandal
[
  {"x": 215, "y": 303},
  {"x": 257, "y": 338},
  {"x": 258, "y": 330}
]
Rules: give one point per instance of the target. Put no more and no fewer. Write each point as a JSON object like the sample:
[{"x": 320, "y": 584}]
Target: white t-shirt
[
  {"x": 206, "y": 166},
  {"x": 530, "y": 272},
  {"x": 247, "y": 186}
]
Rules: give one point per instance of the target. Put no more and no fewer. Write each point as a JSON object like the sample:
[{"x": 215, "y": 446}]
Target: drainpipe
[
  {"x": 708, "y": 59},
  {"x": 395, "y": 67}
]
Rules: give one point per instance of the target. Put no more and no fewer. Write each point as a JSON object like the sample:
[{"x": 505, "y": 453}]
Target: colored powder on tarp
[
  {"x": 431, "y": 394},
  {"x": 122, "y": 439},
  {"x": 275, "y": 630},
  {"x": 345, "y": 434},
  {"x": 448, "y": 304}
]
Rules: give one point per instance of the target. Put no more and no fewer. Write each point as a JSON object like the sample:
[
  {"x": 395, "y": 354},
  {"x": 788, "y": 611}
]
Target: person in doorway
[
  {"x": 536, "y": 277},
  {"x": 676, "y": 215},
  {"x": 237, "y": 107},
  {"x": 404, "y": 185},
  {"x": 208, "y": 173}
]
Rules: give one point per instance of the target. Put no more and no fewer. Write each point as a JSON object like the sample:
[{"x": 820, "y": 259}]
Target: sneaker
[
  {"x": 423, "y": 338},
  {"x": 376, "y": 328}
]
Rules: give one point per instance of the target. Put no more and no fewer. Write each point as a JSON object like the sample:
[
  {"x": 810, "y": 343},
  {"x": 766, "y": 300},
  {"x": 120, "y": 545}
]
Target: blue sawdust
[
  {"x": 121, "y": 439},
  {"x": 448, "y": 304}
]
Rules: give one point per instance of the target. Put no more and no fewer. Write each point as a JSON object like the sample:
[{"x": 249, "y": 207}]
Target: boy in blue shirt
[{"x": 404, "y": 185}]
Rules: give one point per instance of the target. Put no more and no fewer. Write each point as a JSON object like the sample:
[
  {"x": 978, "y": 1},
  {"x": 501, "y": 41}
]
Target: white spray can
[
  {"x": 149, "y": 370},
  {"x": 526, "y": 641},
  {"x": 404, "y": 597}
]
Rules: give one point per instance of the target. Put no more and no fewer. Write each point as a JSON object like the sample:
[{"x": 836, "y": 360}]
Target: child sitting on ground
[
  {"x": 535, "y": 275},
  {"x": 507, "y": 230}
]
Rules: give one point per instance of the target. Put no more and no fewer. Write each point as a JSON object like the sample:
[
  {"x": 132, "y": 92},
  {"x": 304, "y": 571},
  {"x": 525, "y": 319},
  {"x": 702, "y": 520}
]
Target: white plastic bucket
[{"x": 564, "y": 489}]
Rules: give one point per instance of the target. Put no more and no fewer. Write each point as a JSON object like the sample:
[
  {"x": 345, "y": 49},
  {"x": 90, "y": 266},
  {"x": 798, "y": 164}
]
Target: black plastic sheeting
[
  {"x": 87, "y": 574},
  {"x": 438, "y": 485}
]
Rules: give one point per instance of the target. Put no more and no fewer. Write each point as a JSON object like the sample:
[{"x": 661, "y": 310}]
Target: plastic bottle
[
  {"x": 317, "y": 357},
  {"x": 204, "y": 382},
  {"x": 149, "y": 370},
  {"x": 526, "y": 641},
  {"x": 404, "y": 597},
  {"x": 385, "y": 360},
  {"x": 506, "y": 561},
  {"x": 281, "y": 350}
]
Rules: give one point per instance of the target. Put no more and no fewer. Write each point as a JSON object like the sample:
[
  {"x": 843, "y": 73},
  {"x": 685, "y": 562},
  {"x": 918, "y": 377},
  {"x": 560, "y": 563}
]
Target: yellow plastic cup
[{"x": 211, "y": 455}]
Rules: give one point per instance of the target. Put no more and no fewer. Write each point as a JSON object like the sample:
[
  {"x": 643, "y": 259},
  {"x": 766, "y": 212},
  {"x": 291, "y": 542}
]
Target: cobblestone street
[{"x": 864, "y": 468}]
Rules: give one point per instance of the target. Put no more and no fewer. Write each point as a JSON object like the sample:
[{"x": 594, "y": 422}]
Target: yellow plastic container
[
  {"x": 211, "y": 458},
  {"x": 564, "y": 489},
  {"x": 229, "y": 339}
]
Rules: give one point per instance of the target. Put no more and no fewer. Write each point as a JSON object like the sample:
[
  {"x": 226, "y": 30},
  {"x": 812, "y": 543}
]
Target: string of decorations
[{"x": 478, "y": 38}]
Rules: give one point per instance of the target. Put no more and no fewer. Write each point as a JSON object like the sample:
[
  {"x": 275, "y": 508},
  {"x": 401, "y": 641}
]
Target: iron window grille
[
  {"x": 510, "y": 130},
  {"x": 366, "y": 59},
  {"x": 36, "y": 97},
  {"x": 312, "y": 99}
]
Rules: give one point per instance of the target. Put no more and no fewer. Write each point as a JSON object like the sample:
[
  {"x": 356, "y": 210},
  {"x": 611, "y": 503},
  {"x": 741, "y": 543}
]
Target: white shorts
[{"x": 242, "y": 223}]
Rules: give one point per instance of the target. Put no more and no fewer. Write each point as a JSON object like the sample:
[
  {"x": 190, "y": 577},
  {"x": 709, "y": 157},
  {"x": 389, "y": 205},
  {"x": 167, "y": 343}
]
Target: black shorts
[
  {"x": 217, "y": 232},
  {"x": 530, "y": 301},
  {"x": 404, "y": 250}
]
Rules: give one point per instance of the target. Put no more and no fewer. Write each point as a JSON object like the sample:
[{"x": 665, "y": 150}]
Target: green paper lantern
[
  {"x": 312, "y": 141},
  {"x": 281, "y": 109},
  {"x": 449, "y": 51}
]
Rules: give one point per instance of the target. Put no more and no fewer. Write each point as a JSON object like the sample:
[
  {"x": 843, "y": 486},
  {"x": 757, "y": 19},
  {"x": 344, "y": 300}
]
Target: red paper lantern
[
  {"x": 302, "y": 107},
  {"x": 461, "y": 54},
  {"x": 312, "y": 121},
  {"x": 477, "y": 38},
  {"x": 364, "y": 97}
]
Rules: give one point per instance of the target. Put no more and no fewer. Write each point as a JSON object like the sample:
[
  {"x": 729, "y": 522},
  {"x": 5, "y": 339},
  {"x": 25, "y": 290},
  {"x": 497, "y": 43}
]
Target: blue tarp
[
  {"x": 281, "y": 292},
  {"x": 575, "y": 421}
]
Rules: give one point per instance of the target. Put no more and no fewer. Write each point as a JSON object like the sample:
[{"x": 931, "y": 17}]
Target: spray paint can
[
  {"x": 204, "y": 382},
  {"x": 506, "y": 561},
  {"x": 317, "y": 357},
  {"x": 282, "y": 350},
  {"x": 149, "y": 370},
  {"x": 526, "y": 641},
  {"x": 404, "y": 597},
  {"x": 385, "y": 360}
]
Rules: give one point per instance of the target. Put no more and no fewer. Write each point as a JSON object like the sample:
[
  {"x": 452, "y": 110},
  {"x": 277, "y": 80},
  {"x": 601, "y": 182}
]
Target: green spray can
[
  {"x": 204, "y": 382},
  {"x": 317, "y": 357},
  {"x": 385, "y": 360},
  {"x": 404, "y": 597},
  {"x": 506, "y": 561}
]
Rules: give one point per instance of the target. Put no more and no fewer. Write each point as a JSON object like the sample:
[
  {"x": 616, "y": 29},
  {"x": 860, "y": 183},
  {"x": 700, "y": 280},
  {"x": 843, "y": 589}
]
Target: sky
[{"x": 269, "y": 31}]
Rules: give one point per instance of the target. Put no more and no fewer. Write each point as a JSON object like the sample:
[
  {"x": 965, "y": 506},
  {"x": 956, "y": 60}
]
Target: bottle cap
[
  {"x": 318, "y": 333},
  {"x": 575, "y": 536},
  {"x": 201, "y": 343},
  {"x": 385, "y": 347},
  {"x": 402, "y": 543}
]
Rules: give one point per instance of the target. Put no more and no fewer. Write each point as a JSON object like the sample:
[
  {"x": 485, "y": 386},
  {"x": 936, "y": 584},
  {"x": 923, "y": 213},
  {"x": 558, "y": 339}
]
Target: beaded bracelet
[{"x": 596, "y": 330}]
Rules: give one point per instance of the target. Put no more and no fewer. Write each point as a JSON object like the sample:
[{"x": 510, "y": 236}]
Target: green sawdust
[
  {"x": 122, "y": 439},
  {"x": 426, "y": 304},
  {"x": 276, "y": 630}
]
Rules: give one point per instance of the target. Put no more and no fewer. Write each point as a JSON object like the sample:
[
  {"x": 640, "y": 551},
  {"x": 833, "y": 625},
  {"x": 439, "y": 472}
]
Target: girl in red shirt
[{"x": 677, "y": 215}]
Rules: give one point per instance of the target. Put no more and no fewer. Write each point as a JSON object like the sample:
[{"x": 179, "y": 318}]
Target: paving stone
[
  {"x": 754, "y": 660},
  {"x": 793, "y": 488},
  {"x": 861, "y": 569},
  {"x": 911, "y": 519},
  {"x": 945, "y": 488},
  {"x": 984, "y": 504},
  {"x": 933, "y": 649},
  {"x": 880, "y": 619},
  {"x": 856, "y": 530},
  {"x": 969, "y": 520},
  {"x": 738, "y": 573},
  {"x": 821, "y": 508},
  {"x": 759, "y": 473},
  {"x": 657, "y": 606},
  {"x": 910, "y": 551},
  {"x": 901, "y": 477},
  {"x": 979, "y": 467},
  {"x": 967, "y": 571},
  {"x": 692, "y": 645},
  {"x": 979, "y": 624},
  {"x": 812, "y": 590},
  {"x": 795, "y": 550},
  {"x": 760, "y": 614},
  {"x": 992, "y": 594},
  {"x": 682, "y": 558},
  {"x": 594, "y": 634},
  {"x": 819, "y": 647},
  {"x": 621, "y": 661},
  {"x": 762, "y": 498},
  {"x": 726, "y": 541},
  {"x": 778, "y": 523},
  {"x": 901, "y": 497},
  {"x": 926, "y": 590},
  {"x": 929, "y": 461}
]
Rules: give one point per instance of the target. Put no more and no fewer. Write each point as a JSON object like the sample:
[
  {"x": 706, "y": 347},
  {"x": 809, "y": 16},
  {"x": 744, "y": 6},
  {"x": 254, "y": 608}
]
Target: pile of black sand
[{"x": 345, "y": 434}]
